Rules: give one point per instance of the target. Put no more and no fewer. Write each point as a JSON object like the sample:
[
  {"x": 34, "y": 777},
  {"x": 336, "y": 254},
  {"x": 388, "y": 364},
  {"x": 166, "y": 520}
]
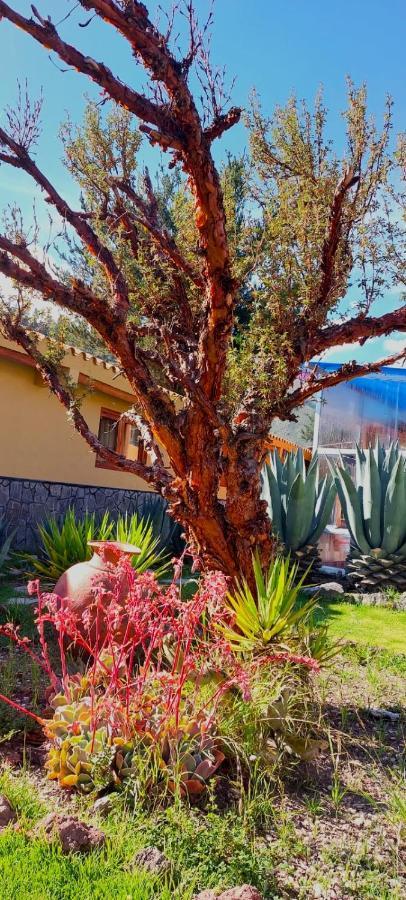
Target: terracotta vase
[{"x": 79, "y": 582}]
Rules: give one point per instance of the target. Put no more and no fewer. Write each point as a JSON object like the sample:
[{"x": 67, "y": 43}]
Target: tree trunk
[{"x": 224, "y": 534}]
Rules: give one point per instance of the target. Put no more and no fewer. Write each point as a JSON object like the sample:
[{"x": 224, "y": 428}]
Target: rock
[
  {"x": 384, "y": 714},
  {"x": 102, "y": 806},
  {"x": 151, "y": 860},
  {"x": 206, "y": 895},
  {"x": 73, "y": 835},
  {"x": 359, "y": 821},
  {"x": 245, "y": 892},
  {"x": 7, "y": 813},
  {"x": 327, "y": 590},
  {"x": 317, "y": 890}
]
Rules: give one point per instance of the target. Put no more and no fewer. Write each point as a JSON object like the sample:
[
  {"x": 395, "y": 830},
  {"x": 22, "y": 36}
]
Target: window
[
  {"x": 135, "y": 444},
  {"x": 134, "y": 436},
  {"x": 122, "y": 437},
  {"x": 108, "y": 432}
]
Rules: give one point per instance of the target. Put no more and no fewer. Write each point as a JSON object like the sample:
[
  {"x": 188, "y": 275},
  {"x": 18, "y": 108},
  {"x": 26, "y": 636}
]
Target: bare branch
[
  {"x": 153, "y": 474},
  {"x": 150, "y": 444},
  {"x": 346, "y": 372},
  {"x": 46, "y": 34},
  {"x": 76, "y": 298},
  {"x": 222, "y": 123},
  {"x": 21, "y": 160},
  {"x": 361, "y": 328}
]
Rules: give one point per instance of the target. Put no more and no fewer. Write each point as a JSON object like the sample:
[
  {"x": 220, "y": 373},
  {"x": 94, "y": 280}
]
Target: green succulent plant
[
  {"x": 299, "y": 505},
  {"x": 374, "y": 508},
  {"x": 83, "y": 758},
  {"x": 269, "y": 616}
]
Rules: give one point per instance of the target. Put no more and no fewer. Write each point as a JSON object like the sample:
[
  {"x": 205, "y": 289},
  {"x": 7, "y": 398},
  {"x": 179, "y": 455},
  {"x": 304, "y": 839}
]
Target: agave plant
[
  {"x": 299, "y": 505},
  {"x": 268, "y": 617},
  {"x": 374, "y": 508}
]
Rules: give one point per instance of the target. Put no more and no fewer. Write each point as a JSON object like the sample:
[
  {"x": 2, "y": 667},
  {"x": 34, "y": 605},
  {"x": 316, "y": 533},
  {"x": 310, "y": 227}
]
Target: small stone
[
  {"x": 7, "y": 812},
  {"x": 73, "y": 835},
  {"x": 359, "y": 821},
  {"x": 206, "y": 895},
  {"x": 245, "y": 892},
  {"x": 151, "y": 860},
  {"x": 102, "y": 806},
  {"x": 317, "y": 890},
  {"x": 329, "y": 589}
]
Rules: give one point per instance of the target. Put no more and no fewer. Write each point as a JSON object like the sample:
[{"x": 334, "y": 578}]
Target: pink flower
[{"x": 33, "y": 587}]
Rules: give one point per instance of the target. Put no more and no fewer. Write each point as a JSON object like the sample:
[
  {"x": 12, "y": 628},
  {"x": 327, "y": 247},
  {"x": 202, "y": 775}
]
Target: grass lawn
[
  {"x": 338, "y": 824},
  {"x": 373, "y": 626}
]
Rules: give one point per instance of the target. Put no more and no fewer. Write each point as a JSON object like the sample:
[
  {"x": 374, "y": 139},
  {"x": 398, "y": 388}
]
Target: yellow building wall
[{"x": 37, "y": 441}]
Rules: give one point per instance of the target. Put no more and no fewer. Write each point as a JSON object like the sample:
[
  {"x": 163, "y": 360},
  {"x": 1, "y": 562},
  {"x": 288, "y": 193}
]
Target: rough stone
[
  {"x": 206, "y": 895},
  {"x": 329, "y": 589},
  {"x": 245, "y": 892},
  {"x": 7, "y": 812},
  {"x": 377, "y": 598},
  {"x": 151, "y": 860},
  {"x": 102, "y": 806},
  {"x": 73, "y": 835}
]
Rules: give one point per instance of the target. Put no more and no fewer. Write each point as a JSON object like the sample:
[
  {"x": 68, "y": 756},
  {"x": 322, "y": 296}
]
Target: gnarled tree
[{"x": 213, "y": 288}]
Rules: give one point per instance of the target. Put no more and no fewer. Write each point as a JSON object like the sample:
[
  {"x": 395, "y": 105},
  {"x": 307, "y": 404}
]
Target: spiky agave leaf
[
  {"x": 374, "y": 510},
  {"x": 299, "y": 504}
]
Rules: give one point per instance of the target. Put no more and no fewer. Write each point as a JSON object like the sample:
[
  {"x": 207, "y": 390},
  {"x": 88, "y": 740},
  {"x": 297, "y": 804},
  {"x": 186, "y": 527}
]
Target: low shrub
[{"x": 159, "y": 711}]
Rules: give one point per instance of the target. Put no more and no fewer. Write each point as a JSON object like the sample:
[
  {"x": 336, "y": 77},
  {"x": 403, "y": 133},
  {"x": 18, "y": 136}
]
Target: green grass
[
  {"x": 205, "y": 851},
  {"x": 372, "y": 626}
]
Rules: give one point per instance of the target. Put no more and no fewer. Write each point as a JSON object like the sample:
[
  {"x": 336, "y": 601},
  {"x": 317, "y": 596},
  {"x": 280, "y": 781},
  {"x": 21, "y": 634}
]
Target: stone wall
[{"x": 25, "y": 503}]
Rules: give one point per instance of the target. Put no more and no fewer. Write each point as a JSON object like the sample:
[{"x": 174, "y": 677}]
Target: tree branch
[
  {"x": 152, "y": 48},
  {"x": 333, "y": 236},
  {"x": 159, "y": 234},
  {"x": 346, "y": 372},
  {"x": 192, "y": 149},
  {"x": 146, "y": 434},
  {"x": 157, "y": 406},
  {"x": 222, "y": 123},
  {"x": 360, "y": 328},
  {"x": 154, "y": 474},
  {"x": 22, "y": 160},
  {"x": 78, "y": 298},
  {"x": 47, "y": 35}
]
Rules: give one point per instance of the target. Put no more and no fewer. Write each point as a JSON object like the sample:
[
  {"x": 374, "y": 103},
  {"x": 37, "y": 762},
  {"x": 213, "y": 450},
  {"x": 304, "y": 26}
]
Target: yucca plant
[
  {"x": 268, "y": 617},
  {"x": 140, "y": 533},
  {"x": 299, "y": 505},
  {"x": 66, "y": 542},
  {"x": 374, "y": 508}
]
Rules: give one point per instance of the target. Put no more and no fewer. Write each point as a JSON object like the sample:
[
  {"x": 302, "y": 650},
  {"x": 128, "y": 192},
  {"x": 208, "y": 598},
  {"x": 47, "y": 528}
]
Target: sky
[{"x": 276, "y": 46}]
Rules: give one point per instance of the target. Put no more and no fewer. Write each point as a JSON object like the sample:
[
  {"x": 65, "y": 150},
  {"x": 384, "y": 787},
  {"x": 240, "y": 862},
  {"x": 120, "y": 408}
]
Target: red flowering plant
[{"x": 152, "y": 672}]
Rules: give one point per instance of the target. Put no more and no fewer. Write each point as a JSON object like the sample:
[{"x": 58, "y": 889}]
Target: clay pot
[{"x": 79, "y": 582}]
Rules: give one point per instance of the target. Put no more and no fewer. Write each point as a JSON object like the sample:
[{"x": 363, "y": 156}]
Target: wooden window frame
[{"x": 123, "y": 437}]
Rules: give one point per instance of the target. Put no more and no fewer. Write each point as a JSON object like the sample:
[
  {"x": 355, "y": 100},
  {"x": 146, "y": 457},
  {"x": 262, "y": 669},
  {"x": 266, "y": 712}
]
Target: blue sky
[{"x": 278, "y": 47}]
